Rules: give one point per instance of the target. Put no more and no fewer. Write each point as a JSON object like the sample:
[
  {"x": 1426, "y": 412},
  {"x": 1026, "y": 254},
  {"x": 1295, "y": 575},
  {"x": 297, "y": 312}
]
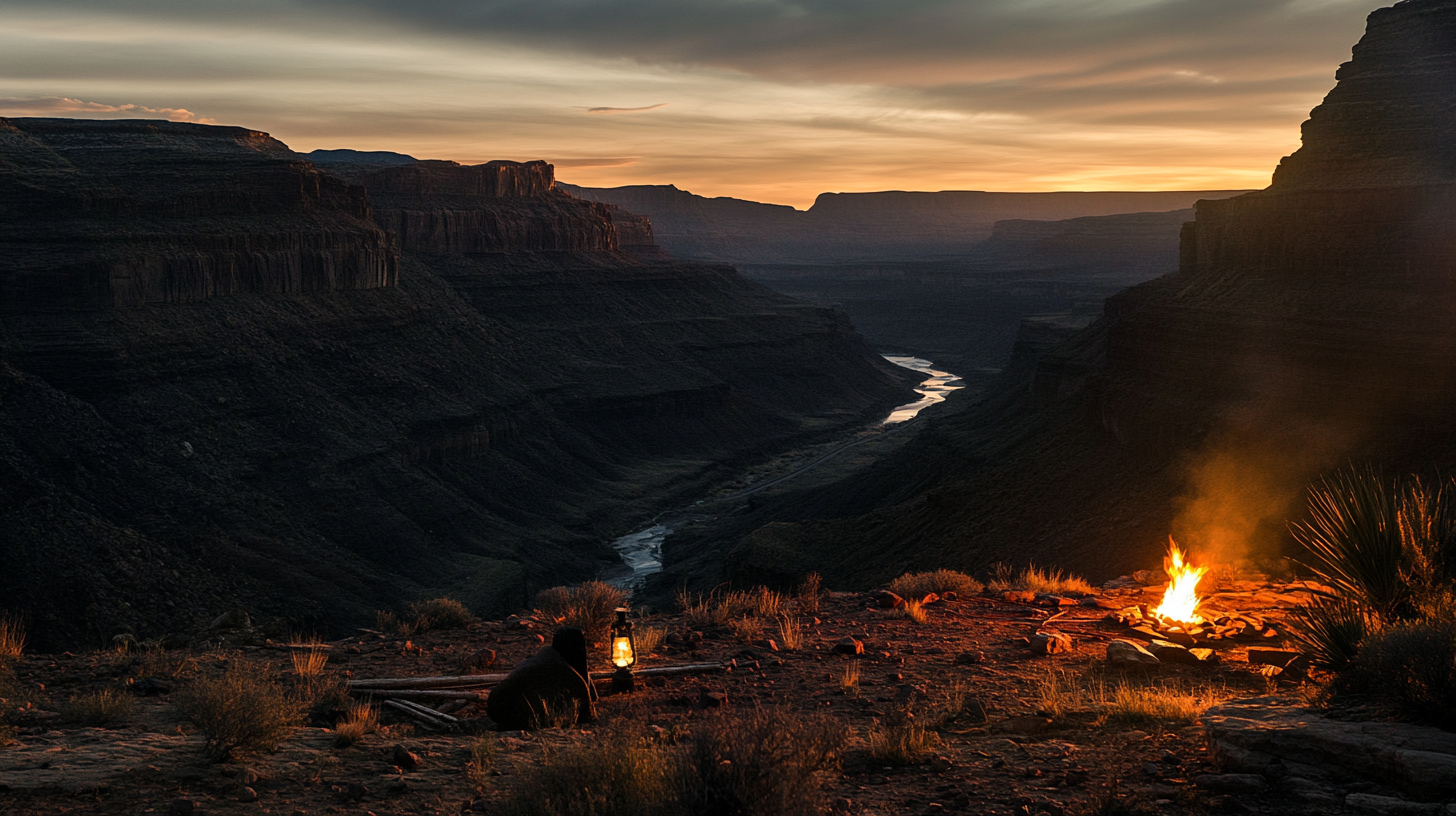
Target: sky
[{"x": 769, "y": 100}]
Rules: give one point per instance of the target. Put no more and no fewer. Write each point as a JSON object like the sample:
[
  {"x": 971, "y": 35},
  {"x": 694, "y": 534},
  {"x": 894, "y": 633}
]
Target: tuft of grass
[
  {"x": 648, "y": 639},
  {"x": 242, "y": 710},
  {"x": 913, "y": 611},
  {"x": 724, "y": 609},
  {"x": 746, "y": 630},
  {"x": 621, "y": 775},
  {"x": 791, "y": 634},
  {"x": 1128, "y": 704},
  {"x": 12, "y": 638},
  {"x": 590, "y": 607},
  {"x": 1032, "y": 578},
  {"x": 849, "y": 678},
  {"x": 761, "y": 761},
  {"x": 901, "y": 741},
  {"x": 361, "y": 720},
  {"x": 390, "y": 624},
  {"x": 809, "y": 592},
  {"x": 1329, "y": 631},
  {"x": 439, "y": 613},
  {"x": 483, "y": 753},
  {"x": 100, "y": 709},
  {"x": 1059, "y": 694},
  {"x": 961, "y": 703},
  {"x": 309, "y": 663},
  {"x": 919, "y": 584}
]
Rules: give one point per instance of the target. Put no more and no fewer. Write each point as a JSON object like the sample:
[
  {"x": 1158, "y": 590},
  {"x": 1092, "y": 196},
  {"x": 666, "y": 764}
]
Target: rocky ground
[{"x": 1032, "y": 735}]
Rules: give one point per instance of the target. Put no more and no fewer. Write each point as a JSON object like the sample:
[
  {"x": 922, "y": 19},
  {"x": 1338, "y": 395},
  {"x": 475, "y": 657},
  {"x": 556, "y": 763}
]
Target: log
[
  {"x": 467, "y": 681},
  {"x": 429, "y": 712},
  {"x": 421, "y": 694},
  {"x": 424, "y": 719}
]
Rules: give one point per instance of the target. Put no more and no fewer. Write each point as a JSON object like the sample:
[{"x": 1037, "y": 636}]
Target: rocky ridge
[
  {"x": 224, "y": 382},
  {"x": 1308, "y": 325}
]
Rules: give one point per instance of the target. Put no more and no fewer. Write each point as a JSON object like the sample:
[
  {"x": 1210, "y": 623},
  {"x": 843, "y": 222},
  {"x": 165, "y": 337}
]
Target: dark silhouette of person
[{"x": 545, "y": 688}]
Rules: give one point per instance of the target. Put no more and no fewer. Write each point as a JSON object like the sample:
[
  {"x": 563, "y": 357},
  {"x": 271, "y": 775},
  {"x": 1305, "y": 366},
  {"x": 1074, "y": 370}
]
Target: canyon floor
[{"x": 1041, "y": 746}]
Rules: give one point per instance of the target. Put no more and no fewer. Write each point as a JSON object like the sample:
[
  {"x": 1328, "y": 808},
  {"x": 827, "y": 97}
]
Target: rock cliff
[
  {"x": 228, "y": 379},
  {"x": 1309, "y": 324}
]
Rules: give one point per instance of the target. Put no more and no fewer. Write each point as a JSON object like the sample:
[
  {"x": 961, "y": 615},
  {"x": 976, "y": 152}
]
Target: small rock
[
  {"x": 247, "y": 795},
  {"x": 713, "y": 699},
  {"x": 939, "y": 764},
  {"x": 355, "y": 791},
  {"x": 1019, "y": 596},
  {"x": 404, "y": 758},
  {"x": 1231, "y": 783},
  {"x": 1169, "y": 758},
  {"x": 1054, "y": 601},
  {"x": 1167, "y": 652},
  {"x": 848, "y": 646},
  {"x": 772, "y": 646},
  {"x": 930, "y": 598},
  {"x": 886, "y": 599},
  {"x": 1126, "y": 655},
  {"x": 1206, "y": 656},
  {"x": 970, "y": 658},
  {"x": 1152, "y": 769},
  {"x": 840, "y": 805},
  {"x": 1050, "y": 643},
  {"x": 478, "y": 661}
]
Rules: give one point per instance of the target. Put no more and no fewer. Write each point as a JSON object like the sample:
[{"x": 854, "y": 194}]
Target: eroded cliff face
[
  {"x": 1309, "y": 325},
  {"x": 509, "y": 390}
]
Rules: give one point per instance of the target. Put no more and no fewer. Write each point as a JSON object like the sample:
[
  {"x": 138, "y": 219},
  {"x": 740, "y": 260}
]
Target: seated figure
[{"x": 546, "y": 688}]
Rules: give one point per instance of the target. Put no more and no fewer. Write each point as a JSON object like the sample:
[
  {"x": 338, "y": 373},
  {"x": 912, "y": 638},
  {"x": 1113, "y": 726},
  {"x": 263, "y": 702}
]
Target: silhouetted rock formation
[
  {"x": 223, "y": 385},
  {"x": 859, "y": 227},
  {"x": 1309, "y": 324}
]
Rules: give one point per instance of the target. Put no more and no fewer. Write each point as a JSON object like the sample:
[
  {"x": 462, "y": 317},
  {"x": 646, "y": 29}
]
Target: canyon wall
[
  {"x": 1309, "y": 325},
  {"x": 466, "y": 383}
]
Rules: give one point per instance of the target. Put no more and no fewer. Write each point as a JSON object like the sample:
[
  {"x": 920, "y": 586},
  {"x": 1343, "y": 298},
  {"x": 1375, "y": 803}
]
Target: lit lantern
[{"x": 624, "y": 652}]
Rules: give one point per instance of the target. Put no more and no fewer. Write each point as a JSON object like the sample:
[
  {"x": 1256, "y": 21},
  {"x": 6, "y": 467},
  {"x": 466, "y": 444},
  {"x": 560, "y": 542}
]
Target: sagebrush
[{"x": 243, "y": 709}]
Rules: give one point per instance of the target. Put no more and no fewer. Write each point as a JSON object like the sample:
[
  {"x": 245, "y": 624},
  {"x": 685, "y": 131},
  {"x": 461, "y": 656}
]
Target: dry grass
[
  {"x": 12, "y": 638},
  {"x": 243, "y": 709},
  {"x": 725, "y": 609},
  {"x": 361, "y": 720},
  {"x": 746, "y": 630},
  {"x": 961, "y": 704},
  {"x": 483, "y": 753},
  {"x": 103, "y": 708},
  {"x": 901, "y": 741},
  {"x": 762, "y": 761},
  {"x": 390, "y": 624},
  {"x": 919, "y": 584},
  {"x": 810, "y": 590},
  {"x": 1035, "y": 579},
  {"x": 647, "y": 639},
  {"x": 791, "y": 634},
  {"x": 590, "y": 607},
  {"x": 619, "y": 776},
  {"x": 1059, "y": 693},
  {"x": 309, "y": 663},
  {"x": 1126, "y": 702},
  {"x": 439, "y": 613},
  {"x": 913, "y": 611},
  {"x": 849, "y": 678}
]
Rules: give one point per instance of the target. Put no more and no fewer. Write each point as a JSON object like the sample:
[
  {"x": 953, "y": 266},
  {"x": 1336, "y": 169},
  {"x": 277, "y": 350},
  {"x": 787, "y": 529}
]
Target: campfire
[{"x": 1180, "y": 618}]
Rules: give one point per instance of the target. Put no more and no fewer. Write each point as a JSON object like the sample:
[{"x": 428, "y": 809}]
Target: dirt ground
[{"x": 1033, "y": 752}]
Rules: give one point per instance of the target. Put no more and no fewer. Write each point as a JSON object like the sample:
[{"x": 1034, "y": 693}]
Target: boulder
[
  {"x": 1167, "y": 652},
  {"x": 1050, "y": 643},
  {"x": 886, "y": 599},
  {"x": 1129, "y": 656}
]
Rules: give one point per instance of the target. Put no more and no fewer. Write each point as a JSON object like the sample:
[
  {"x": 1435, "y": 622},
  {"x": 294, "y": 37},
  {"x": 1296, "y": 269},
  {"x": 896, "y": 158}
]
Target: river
[{"x": 641, "y": 551}]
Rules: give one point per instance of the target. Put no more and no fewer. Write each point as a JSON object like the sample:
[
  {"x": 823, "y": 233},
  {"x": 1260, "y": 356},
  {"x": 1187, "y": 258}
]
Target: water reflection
[{"x": 937, "y": 385}]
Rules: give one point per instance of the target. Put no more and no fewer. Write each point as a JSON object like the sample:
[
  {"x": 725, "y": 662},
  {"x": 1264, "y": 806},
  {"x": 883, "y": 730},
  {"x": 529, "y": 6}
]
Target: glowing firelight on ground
[{"x": 1180, "y": 601}]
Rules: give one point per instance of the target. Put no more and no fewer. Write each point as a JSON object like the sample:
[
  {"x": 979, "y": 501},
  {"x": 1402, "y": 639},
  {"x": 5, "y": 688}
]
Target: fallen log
[
  {"x": 421, "y": 694},
  {"x": 467, "y": 681},
  {"x": 423, "y": 719},
  {"x": 430, "y": 712}
]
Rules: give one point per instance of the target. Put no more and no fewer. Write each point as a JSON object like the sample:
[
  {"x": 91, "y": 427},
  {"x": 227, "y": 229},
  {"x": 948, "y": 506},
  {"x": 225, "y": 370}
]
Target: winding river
[{"x": 641, "y": 551}]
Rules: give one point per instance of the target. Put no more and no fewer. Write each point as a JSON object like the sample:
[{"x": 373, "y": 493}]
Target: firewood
[
  {"x": 423, "y": 719},
  {"x": 420, "y": 694}
]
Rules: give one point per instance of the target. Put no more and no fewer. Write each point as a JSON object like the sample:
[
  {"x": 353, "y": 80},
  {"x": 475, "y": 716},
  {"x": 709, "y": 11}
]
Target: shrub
[
  {"x": 243, "y": 709},
  {"x": 619, "y": 776},
  {"x": 759, "y": 761},
  {"x": 1034, "y": 579},
  {"x": 1410, "y": 667},
  {"x": 590, "y": 607},
  {"x": 390, "y": 624},
  {"x": 919, "y": 584},
  {"x": 439, "y": 613},
  {"x": 107, "y": 707},
  {"x": 746, "y": 630}
]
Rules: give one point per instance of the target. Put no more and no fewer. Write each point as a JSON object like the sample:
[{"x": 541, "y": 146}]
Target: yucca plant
[
  {"x": 1330, "y": 630},
  {"x": 1354, "y": 539}
]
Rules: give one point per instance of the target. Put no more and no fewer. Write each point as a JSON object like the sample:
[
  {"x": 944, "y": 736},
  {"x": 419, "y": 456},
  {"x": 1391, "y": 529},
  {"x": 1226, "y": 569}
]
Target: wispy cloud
[
  {"x": 596, "y": 161},
  {"x": 627, "y": 110},
  {"x": 63, "y": 106}
]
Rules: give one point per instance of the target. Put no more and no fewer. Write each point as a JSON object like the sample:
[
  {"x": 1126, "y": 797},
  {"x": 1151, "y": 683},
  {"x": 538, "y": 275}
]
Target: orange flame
[{"x": 1180, "y": 601}]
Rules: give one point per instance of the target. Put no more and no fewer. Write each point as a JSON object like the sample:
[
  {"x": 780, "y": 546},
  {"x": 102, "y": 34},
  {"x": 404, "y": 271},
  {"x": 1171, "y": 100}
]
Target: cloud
[
  {"x": 598, "y": 161},
  {"x": 627, "y": 110},
  {"x": 65, "y": 106}
]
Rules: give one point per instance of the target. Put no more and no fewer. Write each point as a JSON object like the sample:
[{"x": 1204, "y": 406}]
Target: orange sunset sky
[{"x": 760, "y": 99}]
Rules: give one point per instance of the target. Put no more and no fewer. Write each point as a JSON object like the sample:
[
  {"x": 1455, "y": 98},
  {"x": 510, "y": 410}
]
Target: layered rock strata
[
  {"x": 1309, "y": 325},
  {"x": 474, "y": 414}
]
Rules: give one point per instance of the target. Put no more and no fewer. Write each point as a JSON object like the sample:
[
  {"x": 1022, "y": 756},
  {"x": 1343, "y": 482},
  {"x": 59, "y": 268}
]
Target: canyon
[
  {"x": 233, "y": 378},
  {"x": 1308, "y": 326}
]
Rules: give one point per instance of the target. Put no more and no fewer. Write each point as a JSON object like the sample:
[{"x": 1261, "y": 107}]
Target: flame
[
  {"x": 622, "y": 655},
  {"x": 1180, "y": 601}
]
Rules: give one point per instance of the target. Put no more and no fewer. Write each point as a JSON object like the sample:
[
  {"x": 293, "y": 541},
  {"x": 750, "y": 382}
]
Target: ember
[{"x": 1180, "y": 601}]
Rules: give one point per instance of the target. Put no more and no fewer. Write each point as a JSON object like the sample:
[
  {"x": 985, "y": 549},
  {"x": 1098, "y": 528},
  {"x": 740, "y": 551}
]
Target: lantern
[{"x": 624, "y": 652}]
